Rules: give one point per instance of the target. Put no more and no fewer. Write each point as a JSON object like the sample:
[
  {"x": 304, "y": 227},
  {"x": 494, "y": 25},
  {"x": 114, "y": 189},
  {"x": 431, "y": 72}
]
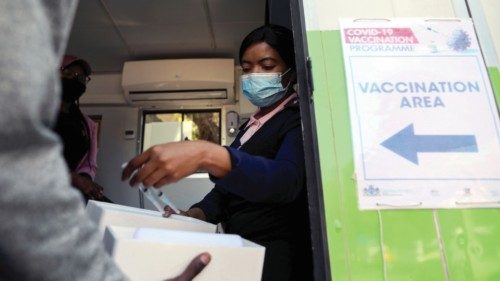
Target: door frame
[{"x": 321, "y": 261}]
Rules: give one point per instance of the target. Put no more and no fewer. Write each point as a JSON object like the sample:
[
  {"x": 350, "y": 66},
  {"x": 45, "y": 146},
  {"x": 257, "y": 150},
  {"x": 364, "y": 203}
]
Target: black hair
[{"x": 278, "y": 37}]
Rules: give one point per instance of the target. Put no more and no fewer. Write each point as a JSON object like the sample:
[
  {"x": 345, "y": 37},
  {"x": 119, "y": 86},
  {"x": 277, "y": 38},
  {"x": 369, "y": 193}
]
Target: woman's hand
[
  {"x": 196, "y": 213},
  {"x": 170, "y": 162}
]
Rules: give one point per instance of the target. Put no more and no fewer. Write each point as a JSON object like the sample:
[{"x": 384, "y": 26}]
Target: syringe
[
  {"x": 156, "y": 196},
  {"x": 167, "y": 201}
]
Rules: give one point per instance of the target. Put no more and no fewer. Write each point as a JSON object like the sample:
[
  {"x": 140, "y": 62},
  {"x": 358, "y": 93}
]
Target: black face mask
[{"x": 72, "y": 89}]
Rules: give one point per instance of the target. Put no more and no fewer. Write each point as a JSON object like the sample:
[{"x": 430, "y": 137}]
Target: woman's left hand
[{"x": 195, "y": 212}]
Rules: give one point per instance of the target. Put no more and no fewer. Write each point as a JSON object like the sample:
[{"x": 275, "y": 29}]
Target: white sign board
[{"x": 424, "y": 121}]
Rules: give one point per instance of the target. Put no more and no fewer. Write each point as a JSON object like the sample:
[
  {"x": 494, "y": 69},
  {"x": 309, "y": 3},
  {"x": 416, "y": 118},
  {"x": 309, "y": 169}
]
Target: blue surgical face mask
[{"x": 263, "y": 89}]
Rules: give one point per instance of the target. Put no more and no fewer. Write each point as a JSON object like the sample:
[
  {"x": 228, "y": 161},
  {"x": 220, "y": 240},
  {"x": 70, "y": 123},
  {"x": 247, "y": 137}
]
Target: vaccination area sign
[{"x": 424, "y": 122}]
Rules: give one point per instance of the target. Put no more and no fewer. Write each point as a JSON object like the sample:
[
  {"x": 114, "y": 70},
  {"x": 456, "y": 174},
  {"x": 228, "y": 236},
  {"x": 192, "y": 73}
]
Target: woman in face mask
[
  {"x": 76, "y": 130},
  {"x": 260, "y": 190}
]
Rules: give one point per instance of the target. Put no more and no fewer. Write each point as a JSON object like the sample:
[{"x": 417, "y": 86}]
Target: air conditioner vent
[{"x": 179, "y": 82}]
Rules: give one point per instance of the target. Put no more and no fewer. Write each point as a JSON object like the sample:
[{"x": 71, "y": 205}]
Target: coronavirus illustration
[{"x": 459, "y": 40}]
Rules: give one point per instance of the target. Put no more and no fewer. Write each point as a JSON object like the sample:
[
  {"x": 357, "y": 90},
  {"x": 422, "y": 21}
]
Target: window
[{"x": 163, "y": 127}]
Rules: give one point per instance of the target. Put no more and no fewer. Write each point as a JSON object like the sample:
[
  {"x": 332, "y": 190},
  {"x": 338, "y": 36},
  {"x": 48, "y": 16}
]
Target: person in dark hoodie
[
  {"x": 45, "y": 233},
  {"x": 260, "y": 185}
]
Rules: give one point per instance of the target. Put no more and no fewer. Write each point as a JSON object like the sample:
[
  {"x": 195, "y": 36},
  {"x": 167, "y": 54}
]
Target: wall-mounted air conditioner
[{"x": 179, "y": 82}]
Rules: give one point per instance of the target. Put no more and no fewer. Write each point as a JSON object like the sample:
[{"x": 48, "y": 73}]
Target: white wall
[
  {"x": 114, "y": 150},
  {"x": 104, "y": 89},
  {"x": 324, "y": 14}
]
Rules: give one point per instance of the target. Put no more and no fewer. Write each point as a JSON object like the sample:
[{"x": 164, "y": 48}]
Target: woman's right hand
[
  {"x": 196, "y": 213},
  {"x": 169, "y": 162}
]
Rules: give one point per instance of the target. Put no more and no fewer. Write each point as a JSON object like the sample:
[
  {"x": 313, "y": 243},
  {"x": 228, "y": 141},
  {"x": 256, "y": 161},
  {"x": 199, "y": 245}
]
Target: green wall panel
[
  {"x": 362, "y": 247},
  {"x": 411, "y": 246},
  {"x": 494, "y": 74},
  {"x": 328, "y": 161},
  {"x": 392, "y": 244},
  {"x": 472, "y": 243}
]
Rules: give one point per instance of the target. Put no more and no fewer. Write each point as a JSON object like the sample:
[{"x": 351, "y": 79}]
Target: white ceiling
[{"x": 107, "y": 33}]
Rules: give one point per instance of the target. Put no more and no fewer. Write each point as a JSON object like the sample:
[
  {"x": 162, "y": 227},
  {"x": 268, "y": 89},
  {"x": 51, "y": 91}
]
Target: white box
[
  {"x": 106, "y": 214},
  {"x": 157, "y": 260}
]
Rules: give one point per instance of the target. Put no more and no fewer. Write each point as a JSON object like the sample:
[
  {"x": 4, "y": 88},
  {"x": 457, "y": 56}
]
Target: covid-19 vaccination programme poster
[{"x": 424, "y": 122}]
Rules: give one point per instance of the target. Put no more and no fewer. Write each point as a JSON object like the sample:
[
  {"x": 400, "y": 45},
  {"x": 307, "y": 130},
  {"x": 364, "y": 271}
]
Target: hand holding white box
[{"x": 156, "y": 254}]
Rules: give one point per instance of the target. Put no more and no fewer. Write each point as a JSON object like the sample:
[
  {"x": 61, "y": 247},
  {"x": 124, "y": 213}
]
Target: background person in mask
[
  {"x": 77, "y": 131},
  {"x": 260, "y": 190}
]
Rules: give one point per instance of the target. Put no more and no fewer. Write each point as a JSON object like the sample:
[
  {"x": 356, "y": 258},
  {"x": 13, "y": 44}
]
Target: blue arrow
[{"x": 406, "y": 144}]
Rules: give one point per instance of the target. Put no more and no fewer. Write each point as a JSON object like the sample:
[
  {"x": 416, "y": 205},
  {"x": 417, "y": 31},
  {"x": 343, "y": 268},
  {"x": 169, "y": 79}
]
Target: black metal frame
[{"x": 311, "y": 151}]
